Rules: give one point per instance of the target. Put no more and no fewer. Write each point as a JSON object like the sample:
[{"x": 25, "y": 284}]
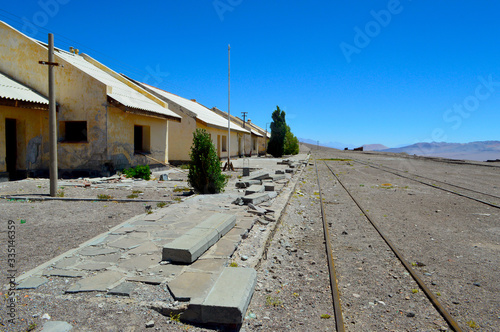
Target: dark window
[
  {"x": 138, "y": 138},
  {"x": 75, "y": 131}
]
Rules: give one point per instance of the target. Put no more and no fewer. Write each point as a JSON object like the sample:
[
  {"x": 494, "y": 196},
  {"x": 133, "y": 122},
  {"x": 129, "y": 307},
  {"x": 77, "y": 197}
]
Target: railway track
[
  {"x": 486, "y": 199},
  {"x": 340, "y": 325}
]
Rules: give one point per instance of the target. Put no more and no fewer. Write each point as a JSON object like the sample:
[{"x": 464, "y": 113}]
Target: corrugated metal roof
[
  {"x": 202, "y": 113},
  {"x": 11, "y": 89},
  {"x": 120, "y": 92}
]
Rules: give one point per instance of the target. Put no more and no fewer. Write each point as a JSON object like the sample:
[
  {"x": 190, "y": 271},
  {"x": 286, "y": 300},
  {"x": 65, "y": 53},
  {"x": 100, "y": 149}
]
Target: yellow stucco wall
[
  {"x": 80, "y": 98},
  {"x": 32, "y": 128},
  {"x": 121, "y": 138}
]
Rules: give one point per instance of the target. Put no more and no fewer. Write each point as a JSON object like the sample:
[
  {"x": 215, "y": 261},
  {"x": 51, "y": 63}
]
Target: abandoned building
[
  {"x": 105, "y": 122},
  {"x": 195, "y": 115}
]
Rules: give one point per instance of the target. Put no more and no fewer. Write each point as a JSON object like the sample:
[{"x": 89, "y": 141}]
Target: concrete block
[
  {"x": 260, "y": 175},
  {"x": 256, "y": 198},
  {"x": 228, "y": 300},
  {"x": 188, "y": 247},
  {"x": 289, "y": 170},
  {"x": 254, "y": 189},
  {"x": 191, "y": 285},
  {"x": 279, "y": 171},
  {"x": 260, "y": 210},
  {"x": 269, "y": 187},
  {"x": 277, "y": 177}
]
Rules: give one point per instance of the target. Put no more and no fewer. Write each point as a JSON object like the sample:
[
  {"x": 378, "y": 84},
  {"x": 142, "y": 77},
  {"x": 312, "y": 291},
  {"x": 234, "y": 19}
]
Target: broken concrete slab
[
  {"x": 245, "y": 223},
  {"x": 112, "y": 258},
  {"x": 152, "y": 280},
  {"x": 95, "y": 251},
  {"x": 67, "y": 262},
  {"x": 224, "y": 248},
  {"x": 277, "y": 177},
  {"x": 269, "y": 186},
  {"x": 227, "y": 301},
  {"x": 256, "y": 188},
  {"x": 207, "y": 265},
  {"x": 191, "y": 285},
  {"x": 259, "y": 175},
  {"x": 279, "y": 171},
  {"x": 138, "y": 263},
  {"x": 63, "y": 273},
  {"x": 247, "y": 183},
  {"x": 123, "y": 289},
  {"x": 100, "y": 282},
  {"x": 32, "y": 283},
  {"x": 148, "y": 247},
  {"x": 56, "y": 326},
  {"x": 127, "y": 242},
  {"x": 256, "y": 198},
  {"x": 94, "y": 266},
  {"x": 188, "y": 247}
]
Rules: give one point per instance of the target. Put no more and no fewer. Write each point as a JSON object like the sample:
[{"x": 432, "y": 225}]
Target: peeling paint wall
[
  {"x": 121, "y": 139},
  {"x": 30, "y": 128}
]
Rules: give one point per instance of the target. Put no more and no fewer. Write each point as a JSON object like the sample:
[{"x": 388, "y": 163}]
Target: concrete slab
[
  {"x": 228, "y": 300},
  {"x": 256, "y": 198},
  {"x": 32, "y": 283},
  {"x": 138, "y": 263},
  {"x": 277, "y": 177},
  {"x": 100, "y": 282},
  {"x": 188, "y": 247},
  {"x": 56, "y": 326},
  {"x": 169, "y": 271},
  {"x": 126, "y": 242},
  {"x": 190, "y": 285},
  {"x": 67, "y": 262},
  {"x": 111, "y": 258},
  {"x": 224, "y": 248},
  {"x": 256, "y": 188},
  {"x": 123, "y": 289},
  {"x": 212, "y": 265},
  {"x": 259, "y": 175},
  {"x": 63, "y": 273},
  {"x": 152, "y": 280},
  {"x": 95, "y": 251},
  {"x": 93, "y": 266},
  {"x": 269, "y": 187},
  {"x": 245, "y": 223},
  {"x": 145, "y": 248}
]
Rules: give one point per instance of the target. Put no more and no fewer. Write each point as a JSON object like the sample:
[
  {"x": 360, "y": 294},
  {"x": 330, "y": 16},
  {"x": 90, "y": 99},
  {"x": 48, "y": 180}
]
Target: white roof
[
  {"x": 11, "y": 89},
  {"x": 120, "y": 92},
  {"x": 202, "y": 113}
]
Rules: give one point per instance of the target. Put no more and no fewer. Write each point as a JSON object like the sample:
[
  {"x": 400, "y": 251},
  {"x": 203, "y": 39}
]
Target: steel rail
[
  {"x": 339, "y": 320},
  {"x": 427, "y": 291},
  {"x": 434, "y": 180},
  {"x": 434, "y": 186}
]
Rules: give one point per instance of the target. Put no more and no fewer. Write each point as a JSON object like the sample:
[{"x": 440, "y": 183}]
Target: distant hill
[
  {"x": 479, "y": 151},
  {"x": 374, "y": 147},
  {"x": 335, "y": 145}
]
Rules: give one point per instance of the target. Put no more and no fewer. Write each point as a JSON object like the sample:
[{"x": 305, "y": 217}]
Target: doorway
[{"x": 11, "y": 147}]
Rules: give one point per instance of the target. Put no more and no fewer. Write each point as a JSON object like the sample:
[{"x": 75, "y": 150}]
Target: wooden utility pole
[
  {"x": 52, "y": 118},
  {"x": 228, "y": 164}
]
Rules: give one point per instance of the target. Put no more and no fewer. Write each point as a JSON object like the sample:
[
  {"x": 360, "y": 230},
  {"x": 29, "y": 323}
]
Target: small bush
[
  {"x": 103, "y": 196},
  {"x": 139, "y": 172},
  {"x": 205, "y": 175}
]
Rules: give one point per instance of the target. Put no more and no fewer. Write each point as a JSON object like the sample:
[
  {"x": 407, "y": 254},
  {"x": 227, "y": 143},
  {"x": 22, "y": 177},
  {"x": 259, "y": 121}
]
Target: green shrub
[
  {"x": 140, "y": 172},
  {"x": 205, "y": 175}
]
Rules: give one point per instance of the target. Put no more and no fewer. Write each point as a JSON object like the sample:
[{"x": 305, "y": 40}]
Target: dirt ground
[{"x": 454, "y": 240}]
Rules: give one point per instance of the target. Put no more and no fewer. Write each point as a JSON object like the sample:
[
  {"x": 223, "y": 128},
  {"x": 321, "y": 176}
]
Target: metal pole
[
  {"x": 228, "y": 105},
  {"x": 52, "y": 121}
]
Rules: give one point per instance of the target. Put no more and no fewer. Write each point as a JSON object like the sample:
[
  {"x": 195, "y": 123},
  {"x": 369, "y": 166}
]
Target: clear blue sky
[{"x": 358, "y": 72}]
